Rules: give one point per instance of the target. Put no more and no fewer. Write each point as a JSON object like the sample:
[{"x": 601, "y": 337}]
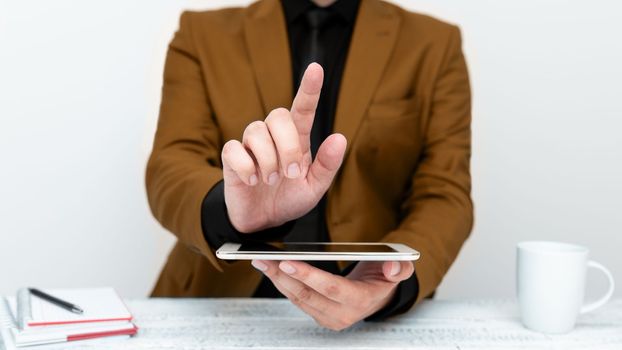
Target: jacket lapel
[
  {"x": 372, "y": 41},
  {"x": 267, "y": 43},
  {"x": 373, "y": 38}
]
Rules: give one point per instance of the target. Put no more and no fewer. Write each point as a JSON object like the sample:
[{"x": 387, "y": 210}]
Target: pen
[{"x": 60, "y": 303}]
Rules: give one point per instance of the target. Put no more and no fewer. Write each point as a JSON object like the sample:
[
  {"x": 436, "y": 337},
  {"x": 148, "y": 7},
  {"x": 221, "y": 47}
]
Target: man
[{"x": 374, "y": 147}]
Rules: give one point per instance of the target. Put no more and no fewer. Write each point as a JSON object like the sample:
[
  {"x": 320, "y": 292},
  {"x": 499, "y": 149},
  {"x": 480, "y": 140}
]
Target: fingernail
[
  {"x": 273, "y": 178},
  {"x": 259, "y": 265},
  {"x": 396, "y": 267},
  {"x": 287, "y": 268},
  {"x": 253, "y": 180},
  {"x": 293, "y": 170}
]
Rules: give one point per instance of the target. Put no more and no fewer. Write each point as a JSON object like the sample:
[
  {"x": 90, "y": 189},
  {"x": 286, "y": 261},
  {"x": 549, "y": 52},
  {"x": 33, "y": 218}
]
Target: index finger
[
  {"x": 305, "y": 102},
  {"x": 337, "y": 288}
]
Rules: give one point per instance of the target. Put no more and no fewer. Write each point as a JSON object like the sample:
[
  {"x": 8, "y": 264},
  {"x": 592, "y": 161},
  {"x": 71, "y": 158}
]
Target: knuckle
[
  {"x": 281, "y": 111},
  {"x": 304, "y": 295},
  {"x": 227, "y": 149},
  {"x": 303, "y": 273},
  {"x": 294, "y": 300},
  {"x": 332, "y": 290},
  {"x": 254, "y": 128},
  {"x": 277, "y": 115}
]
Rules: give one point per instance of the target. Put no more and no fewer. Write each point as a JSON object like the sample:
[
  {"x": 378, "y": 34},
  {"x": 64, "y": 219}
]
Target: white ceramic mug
[{"x": 551, "y": 285}]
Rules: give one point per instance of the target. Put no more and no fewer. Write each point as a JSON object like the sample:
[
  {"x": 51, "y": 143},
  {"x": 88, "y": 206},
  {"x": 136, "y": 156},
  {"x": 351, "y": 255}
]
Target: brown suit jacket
[{"x": 404, "y": 107}]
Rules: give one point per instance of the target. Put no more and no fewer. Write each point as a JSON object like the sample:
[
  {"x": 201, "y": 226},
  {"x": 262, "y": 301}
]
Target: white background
[{"x": 79, "y": 93}]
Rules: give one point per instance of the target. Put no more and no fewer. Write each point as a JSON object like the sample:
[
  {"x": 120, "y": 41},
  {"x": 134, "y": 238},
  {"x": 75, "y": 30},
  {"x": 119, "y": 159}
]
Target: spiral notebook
[{"x": 28, "y": 320}]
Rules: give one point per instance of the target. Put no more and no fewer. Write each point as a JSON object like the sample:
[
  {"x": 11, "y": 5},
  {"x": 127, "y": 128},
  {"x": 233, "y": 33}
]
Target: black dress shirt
[{"x": 335, "y": 39}]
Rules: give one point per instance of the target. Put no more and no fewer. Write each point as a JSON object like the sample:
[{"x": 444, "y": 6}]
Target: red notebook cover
[{"x": 102, "y": 334}]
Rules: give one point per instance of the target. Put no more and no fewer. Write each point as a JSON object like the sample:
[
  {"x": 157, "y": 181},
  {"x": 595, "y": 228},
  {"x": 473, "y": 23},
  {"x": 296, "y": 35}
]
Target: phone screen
[{"x": 314, "y": 248}]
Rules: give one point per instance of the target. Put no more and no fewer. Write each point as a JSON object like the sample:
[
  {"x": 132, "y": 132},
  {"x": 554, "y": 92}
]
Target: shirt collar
[{"x": 346, "y": 9}]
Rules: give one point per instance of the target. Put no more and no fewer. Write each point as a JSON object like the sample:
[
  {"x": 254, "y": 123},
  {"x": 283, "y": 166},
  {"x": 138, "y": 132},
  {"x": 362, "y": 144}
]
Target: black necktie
[{"x": 316, "y": 18}]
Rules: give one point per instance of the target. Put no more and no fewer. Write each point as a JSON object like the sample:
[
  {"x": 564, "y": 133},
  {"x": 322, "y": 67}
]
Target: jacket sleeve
[
  {"x": 185, "y": 160},
  {"x": 437, "y": 213}
]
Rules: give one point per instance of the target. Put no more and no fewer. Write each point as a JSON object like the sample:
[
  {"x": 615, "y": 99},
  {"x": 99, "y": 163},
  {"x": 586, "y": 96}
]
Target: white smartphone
[{"x": 317, "y": 251}]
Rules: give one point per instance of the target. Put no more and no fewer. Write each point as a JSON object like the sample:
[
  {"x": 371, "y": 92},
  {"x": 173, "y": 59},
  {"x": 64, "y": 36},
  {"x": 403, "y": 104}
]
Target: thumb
[
  {"x": 397, "y": 271},
  {"x": 327, "y": 162}
]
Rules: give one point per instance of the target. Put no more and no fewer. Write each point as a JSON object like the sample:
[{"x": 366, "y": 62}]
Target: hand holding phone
[{"x": 333, "y": 301}]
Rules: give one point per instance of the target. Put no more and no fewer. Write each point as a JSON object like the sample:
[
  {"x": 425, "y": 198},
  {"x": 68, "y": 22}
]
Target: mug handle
[{"x": 600, "y": 302}]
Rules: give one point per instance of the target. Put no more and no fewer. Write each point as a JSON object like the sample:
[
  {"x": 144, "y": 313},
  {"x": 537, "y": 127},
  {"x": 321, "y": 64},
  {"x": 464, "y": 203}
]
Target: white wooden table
[{"x": 265, "y": 324}]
